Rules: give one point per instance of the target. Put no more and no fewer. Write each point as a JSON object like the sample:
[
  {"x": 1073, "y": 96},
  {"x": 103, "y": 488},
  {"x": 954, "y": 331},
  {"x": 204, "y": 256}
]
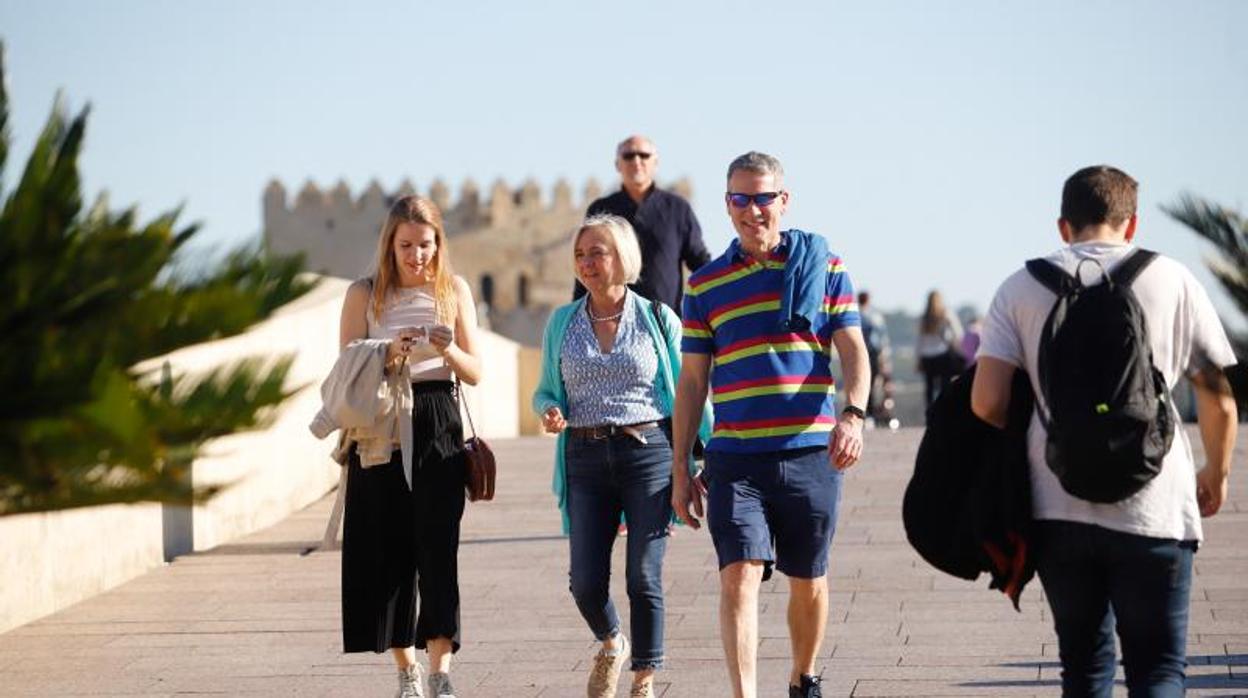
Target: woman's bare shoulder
[
  {"x": 360, "y": 288},
  {"x": 462, "y": 289}
]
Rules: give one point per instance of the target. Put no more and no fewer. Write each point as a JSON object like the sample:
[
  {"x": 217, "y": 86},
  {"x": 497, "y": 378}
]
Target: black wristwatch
[{"x": 856, "y": 411}]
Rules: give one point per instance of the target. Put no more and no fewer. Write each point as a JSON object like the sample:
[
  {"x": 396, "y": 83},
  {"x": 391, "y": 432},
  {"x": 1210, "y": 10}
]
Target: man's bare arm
[
  {"x": 1217, "y": 416},
  {"x": 845, "y": 442},
  {"x": 691, "y": 390},
  {"x": 990, "y": 393},
  {"x": 855, "y": 367}
]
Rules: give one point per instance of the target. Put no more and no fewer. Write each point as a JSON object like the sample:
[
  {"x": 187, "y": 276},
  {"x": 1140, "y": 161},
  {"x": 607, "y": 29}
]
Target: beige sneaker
[
  {"x": 642, "y": 690},
  {"x": 409, "y": 682},
  {"x": 605, "y": 675}
]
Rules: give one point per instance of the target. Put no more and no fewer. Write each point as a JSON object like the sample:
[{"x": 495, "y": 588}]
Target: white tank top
[{"x": 414, "y": 306}]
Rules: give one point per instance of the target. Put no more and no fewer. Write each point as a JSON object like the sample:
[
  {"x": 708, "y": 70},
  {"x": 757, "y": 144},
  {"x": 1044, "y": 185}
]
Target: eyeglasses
[
  {"x": 763, "y": 199},
  {"x": 629, "y": 155}
]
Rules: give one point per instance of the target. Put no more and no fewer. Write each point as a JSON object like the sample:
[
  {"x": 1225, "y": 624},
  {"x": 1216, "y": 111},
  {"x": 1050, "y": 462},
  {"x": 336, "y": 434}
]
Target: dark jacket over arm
[{"x": 967, "y": 508}]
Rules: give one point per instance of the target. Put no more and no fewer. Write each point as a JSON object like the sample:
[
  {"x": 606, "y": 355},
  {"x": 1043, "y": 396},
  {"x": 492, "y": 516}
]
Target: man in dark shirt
[{"x": 667, "y": 230}]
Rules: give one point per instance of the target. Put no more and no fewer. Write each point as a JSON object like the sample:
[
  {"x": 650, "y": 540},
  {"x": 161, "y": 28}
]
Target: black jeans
[
  {"x": 1097, "y": 580},
  {"x": 938, "y": 371}
]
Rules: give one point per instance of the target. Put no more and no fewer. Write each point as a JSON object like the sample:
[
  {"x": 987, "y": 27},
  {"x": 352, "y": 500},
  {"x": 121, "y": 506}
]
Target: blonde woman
[
  {"x": 401, "y": 542},
  {"x": 610, "y": 360}
]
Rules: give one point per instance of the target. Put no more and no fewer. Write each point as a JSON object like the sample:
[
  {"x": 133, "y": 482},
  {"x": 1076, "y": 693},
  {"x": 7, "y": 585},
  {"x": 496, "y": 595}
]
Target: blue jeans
[
  {"x": 607, "y": 477},
  {"x": 1097, "y": 579}
]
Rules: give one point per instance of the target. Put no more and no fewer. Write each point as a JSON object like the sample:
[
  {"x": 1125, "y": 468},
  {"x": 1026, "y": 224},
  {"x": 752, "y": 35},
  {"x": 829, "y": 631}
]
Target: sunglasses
[
  {"x": 762, "y": 199},
  {"x": 629, "y": 155}
]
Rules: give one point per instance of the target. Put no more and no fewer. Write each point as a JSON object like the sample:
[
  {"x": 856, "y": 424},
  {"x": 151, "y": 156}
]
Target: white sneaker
[
  {"x": 440, "y": 685},
  {"x": 409, "y": 682}
]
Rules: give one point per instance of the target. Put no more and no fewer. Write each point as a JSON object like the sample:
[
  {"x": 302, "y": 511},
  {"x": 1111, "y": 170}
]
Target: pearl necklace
[{"x": 606, "y": 318}]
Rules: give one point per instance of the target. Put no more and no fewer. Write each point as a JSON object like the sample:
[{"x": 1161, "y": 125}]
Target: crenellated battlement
[
  {"x": 502, "y": 202},
  {"x": 513, "y": 244}
]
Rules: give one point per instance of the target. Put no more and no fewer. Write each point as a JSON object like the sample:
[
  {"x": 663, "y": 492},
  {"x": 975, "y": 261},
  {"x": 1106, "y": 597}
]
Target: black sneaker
[{"x": 808, "y": 689}]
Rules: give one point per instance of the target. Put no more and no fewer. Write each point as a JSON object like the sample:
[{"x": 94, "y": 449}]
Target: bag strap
[
  {"x": 368, "y": 307},
  {"x": 1129, "y": 268},
  {"x": 1058, "y": 281},
  {"x": 1052, "y": 276},
  {"x": 459, "y": 391},
  {"x": 658, "y": 319}
]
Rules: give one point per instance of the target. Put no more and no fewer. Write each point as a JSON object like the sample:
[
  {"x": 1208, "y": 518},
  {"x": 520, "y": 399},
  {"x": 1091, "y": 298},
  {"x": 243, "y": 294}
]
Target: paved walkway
[{"x": 259, "y": 618}]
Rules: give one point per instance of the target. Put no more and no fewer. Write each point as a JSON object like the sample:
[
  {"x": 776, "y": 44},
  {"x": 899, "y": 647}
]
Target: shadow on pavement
[{"x": 1202, "y": 681}]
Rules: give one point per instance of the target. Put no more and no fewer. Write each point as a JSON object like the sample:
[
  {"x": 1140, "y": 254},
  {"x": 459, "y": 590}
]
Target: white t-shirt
[{"x": 1181, "y": 324}]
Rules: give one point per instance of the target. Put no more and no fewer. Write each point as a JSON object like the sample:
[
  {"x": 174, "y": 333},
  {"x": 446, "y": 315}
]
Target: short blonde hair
[{"x": 623, "y": 239}]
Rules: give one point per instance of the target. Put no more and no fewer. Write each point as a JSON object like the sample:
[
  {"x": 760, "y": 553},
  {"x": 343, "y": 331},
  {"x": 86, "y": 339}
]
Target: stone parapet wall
[{"x": 55, "y": 559}]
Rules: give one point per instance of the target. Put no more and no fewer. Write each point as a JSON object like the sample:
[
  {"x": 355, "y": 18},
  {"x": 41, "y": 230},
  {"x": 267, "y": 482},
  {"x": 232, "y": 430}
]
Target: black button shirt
[{"x": 669, "y": 235}]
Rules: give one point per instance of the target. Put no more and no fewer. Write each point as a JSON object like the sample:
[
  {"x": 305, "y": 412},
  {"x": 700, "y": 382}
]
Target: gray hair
[
  {"x": 623, "y": 238},
  {"x": 619, "y": 147},
  {"x": 759, "y": 163}
]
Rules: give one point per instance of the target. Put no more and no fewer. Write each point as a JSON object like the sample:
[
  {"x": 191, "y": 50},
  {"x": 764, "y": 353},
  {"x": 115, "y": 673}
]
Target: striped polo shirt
[{"x": 772, "y": 389}]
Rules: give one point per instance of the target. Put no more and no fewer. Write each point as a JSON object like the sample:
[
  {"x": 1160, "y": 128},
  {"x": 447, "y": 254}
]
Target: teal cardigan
[{"x": 550, "y": 391}]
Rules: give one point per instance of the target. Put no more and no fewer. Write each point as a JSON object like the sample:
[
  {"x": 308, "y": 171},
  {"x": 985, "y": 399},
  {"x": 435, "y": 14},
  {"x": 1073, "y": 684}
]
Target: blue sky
[{"x": 927, "y": 140}]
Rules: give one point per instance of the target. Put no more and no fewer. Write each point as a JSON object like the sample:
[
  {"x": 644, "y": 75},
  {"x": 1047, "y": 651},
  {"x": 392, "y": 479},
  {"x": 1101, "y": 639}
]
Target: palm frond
[
  {"x": 1227, "y": 231},
  {"x": 88, "y": 294}
]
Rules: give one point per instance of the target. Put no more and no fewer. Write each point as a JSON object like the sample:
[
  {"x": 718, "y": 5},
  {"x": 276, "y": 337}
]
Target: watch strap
[{"x": 855, "y": 411}]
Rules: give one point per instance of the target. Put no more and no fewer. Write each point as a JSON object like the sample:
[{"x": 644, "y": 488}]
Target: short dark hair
[{"x": 1099, "y": 194}]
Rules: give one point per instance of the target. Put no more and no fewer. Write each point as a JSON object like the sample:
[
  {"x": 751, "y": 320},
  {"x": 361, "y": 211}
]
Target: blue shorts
[{"x": 777, "y": 506}]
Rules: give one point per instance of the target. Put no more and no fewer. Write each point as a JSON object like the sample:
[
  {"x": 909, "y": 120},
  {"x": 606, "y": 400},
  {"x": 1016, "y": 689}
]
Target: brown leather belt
[{"x": 606, "y": 431}]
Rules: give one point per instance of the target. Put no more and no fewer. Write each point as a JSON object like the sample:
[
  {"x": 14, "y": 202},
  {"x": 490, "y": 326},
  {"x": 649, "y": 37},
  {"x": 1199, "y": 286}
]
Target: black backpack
[{"x": 1108, "y": 418}]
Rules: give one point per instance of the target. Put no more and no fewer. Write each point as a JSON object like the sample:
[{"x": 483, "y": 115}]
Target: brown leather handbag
[{"x": 481, "y": 469}]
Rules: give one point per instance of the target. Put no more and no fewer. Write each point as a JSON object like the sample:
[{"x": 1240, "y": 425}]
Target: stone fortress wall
[{"x": 513, "y": 247}]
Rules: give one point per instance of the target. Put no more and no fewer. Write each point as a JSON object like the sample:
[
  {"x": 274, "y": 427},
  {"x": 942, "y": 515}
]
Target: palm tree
[
  {"x": 1228, "y": 231},
  {"x": 88, "y": 295}
]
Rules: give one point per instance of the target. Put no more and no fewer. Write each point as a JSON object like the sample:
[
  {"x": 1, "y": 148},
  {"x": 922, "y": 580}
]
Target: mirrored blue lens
[{"x": 762, "y": 199}]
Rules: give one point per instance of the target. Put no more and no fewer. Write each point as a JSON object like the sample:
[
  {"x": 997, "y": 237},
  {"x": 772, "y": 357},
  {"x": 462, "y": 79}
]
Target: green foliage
[
  {"x": 91, "y": 294},
  {"x": 1227, "y": 230}
]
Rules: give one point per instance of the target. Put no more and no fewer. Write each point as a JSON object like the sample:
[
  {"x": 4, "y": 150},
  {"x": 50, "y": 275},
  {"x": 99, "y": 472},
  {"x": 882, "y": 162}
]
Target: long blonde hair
[{"x": 415, "y": 209}]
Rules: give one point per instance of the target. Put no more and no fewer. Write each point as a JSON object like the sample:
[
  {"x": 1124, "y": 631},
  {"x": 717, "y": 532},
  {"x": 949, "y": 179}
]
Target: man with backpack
[{"x": 1104, "y": 331}]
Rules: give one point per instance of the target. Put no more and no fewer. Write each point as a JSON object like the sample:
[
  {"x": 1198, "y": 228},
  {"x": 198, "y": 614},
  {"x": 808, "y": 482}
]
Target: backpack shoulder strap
[
  {"x": 1052, "y": 276},
  {"x": 1129, "y": 268}
]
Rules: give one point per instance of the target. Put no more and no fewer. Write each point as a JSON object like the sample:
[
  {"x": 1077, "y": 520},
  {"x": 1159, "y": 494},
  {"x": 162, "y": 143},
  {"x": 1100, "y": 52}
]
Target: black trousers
[
  {"x": 400, "y": 548},
  {"x": 938, "y": 372}
]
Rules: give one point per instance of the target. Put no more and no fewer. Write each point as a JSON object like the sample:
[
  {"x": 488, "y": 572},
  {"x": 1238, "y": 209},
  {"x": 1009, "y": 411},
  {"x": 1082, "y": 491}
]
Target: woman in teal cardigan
[{"x": 609, "y": 367}]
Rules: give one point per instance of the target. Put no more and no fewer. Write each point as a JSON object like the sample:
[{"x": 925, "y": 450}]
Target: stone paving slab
[{"x": 258, "y": 618}]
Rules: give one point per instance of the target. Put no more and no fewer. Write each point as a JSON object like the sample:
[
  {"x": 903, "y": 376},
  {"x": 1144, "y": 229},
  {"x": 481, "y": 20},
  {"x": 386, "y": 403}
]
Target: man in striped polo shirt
[{"x": 766, "y": 316}]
